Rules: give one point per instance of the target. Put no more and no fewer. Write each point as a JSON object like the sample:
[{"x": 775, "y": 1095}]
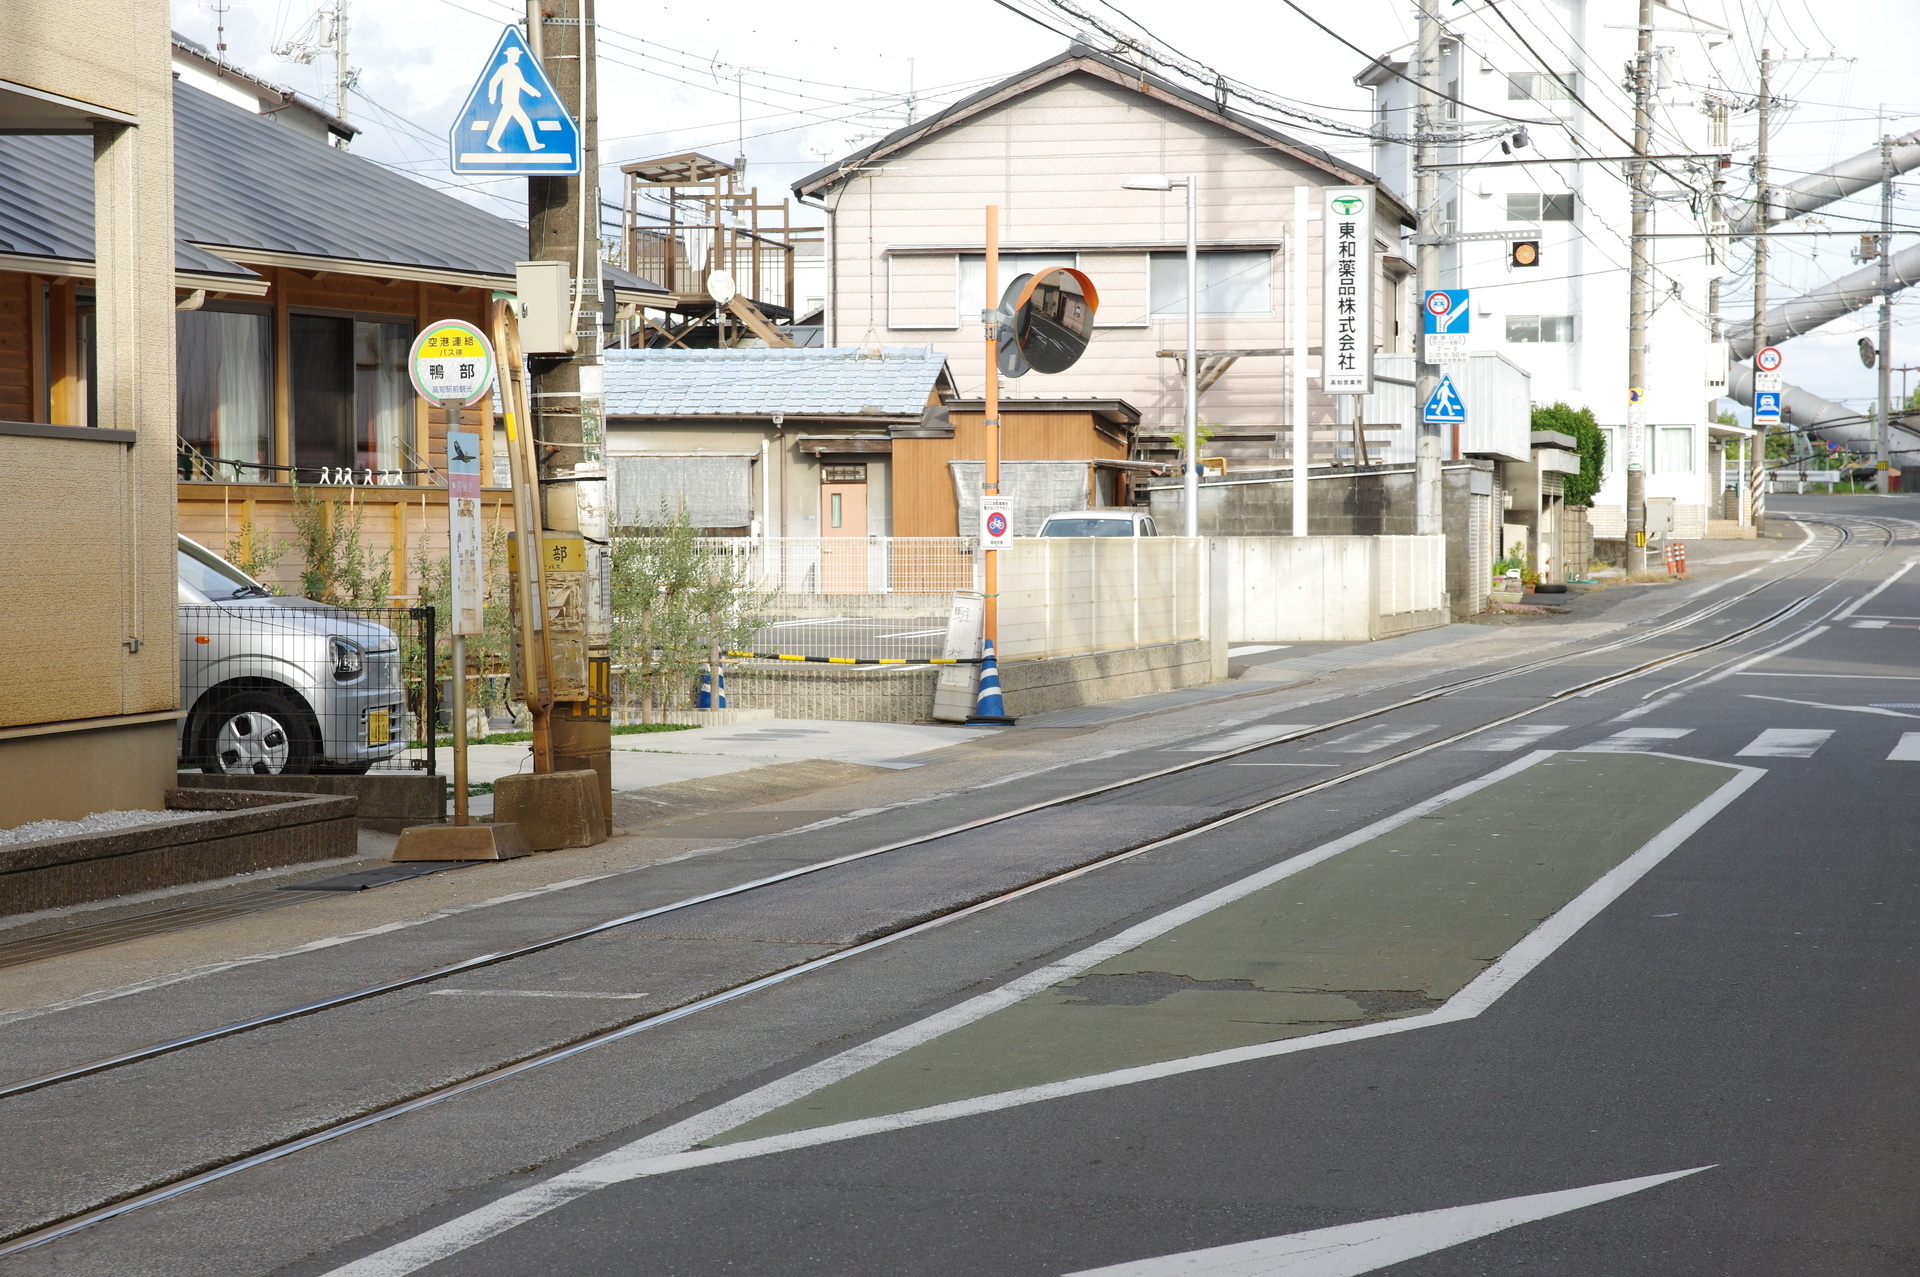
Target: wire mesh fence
[{"x": 276, "y": 686}]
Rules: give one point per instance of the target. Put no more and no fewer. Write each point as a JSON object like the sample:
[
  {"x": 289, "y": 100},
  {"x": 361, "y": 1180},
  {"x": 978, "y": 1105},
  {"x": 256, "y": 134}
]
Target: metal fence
[
  {"x": 857, "y": 565},
  {"x": 287, "y": 686}
]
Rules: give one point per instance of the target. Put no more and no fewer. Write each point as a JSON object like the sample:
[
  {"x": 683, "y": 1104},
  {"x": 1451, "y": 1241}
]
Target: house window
[
  {"x": 1533, "y": 206},
  {"x": 972, "y": 276},
  {"x": 224, "y": 393},
  {"x": 1230, "y": 284},
  {"x": 1536, "y": 86},
  {"x": 352, "y": 402},
  {"x": 1557, "y": 328},
  {"x": 1672, "y": 449}
]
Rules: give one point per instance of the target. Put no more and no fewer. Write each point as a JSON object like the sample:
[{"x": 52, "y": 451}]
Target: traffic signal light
[{"x": 1525, "y": 252}]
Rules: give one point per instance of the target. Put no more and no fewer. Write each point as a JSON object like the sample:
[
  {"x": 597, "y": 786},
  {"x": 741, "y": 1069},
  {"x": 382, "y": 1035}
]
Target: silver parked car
[
  {"x": 1103, "y": 522},
  {"x": 275, "y": 685}
]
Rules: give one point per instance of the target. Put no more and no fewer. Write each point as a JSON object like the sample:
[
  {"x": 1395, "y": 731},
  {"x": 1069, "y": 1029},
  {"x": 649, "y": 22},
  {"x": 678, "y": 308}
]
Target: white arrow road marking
[
  {"x": 1350, "y": 1249},
  {"x": 1851, "y": 709}
]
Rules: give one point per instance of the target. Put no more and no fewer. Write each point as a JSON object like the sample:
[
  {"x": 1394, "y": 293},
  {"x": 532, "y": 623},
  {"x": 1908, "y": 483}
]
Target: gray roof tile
[{"x": 838, "y": 381}]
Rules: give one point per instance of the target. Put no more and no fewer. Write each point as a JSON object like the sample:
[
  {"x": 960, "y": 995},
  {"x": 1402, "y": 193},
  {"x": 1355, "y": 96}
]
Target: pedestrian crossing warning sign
[
  {"x": 513, "y": 122},
  {"x": 1444, "y": 405}
]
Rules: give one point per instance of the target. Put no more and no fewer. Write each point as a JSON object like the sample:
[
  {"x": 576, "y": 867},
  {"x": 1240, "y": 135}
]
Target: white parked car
[{"x": 1099, "y": 523}]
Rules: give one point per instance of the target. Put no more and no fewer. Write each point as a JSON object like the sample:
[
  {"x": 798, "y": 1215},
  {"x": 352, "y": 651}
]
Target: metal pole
[
  {"x": 1190, "y": 482},
  {"x": 1885, "y": 360},
  {"x": 430, "y": 694},
  {"x": 1426, "y": 464},
  {"x": 459, "y": 672},
  {"x": 990, "y": 423},
  {"x": 1757, "y": 459},
  {"x": 341, "y": 74},
  {"x": 1640, "y": 296},
  {"x": 1297, "y": 318}
]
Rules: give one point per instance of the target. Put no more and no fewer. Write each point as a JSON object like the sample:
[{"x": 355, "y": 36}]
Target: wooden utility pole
[
  {"x": 1640, "y": 294},
  {"x": 1426, "y": 462},
  {"x": 1763, "y": 199},
  {"x": 563, "y": 224},
  {"x": 1884, "y": 360}
]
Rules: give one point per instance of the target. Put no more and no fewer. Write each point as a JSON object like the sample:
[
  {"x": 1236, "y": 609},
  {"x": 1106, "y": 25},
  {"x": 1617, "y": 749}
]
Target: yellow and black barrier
[{"x": 853, "y": 660}]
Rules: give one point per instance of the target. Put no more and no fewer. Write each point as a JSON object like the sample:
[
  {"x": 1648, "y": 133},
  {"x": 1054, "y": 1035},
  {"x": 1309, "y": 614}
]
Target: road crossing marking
[
  {"x": 1234, "y": 740},
  {"x": 1515, "y": 738},
  {"x": 1908, "y": 750},
  {"x": 1870, "y": 625},
  {"x": 1888, "y": 710},
  {"x": 1785, "y": 742},
  {"x": 1348, "y": 1250},
  {"x": 1367, "y": 740},
  {"x": 1636, "y": 740}
]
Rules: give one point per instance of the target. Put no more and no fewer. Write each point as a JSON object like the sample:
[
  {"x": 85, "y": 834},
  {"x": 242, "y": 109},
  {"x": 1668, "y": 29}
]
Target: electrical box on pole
[{"x": 545, "y": 311}]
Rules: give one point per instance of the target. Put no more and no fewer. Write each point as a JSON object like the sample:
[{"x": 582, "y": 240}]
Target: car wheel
[{"x": 256, "y": 733}]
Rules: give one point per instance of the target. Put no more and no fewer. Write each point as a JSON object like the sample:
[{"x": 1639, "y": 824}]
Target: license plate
[{"x": 379, "y": 726}]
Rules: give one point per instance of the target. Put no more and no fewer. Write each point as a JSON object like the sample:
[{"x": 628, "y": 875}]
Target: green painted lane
[{"x": 1391, "y": 927}]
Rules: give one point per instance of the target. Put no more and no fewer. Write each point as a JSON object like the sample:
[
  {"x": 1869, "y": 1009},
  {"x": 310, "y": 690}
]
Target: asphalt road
[{"x": 1619, "y": 986}]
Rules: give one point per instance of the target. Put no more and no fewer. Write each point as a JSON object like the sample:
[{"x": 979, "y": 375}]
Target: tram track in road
[{"x": 327, "y": 1131}]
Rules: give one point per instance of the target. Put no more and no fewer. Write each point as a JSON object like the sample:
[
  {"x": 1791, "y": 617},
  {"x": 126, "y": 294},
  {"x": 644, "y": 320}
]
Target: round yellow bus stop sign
[{"x": 451, "y": 363}]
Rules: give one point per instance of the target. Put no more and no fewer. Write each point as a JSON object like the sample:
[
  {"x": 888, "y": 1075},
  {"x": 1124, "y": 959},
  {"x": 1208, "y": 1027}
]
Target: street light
[{"x": 1190, "y": 480}]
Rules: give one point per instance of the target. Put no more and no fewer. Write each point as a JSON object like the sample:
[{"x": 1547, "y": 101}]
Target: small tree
[
  {"x": 337, "y": 567},
  {"x": 1591, "y": 444},
  {"x": 256, "y": 552},
  {"x": 677, "y": 604}
]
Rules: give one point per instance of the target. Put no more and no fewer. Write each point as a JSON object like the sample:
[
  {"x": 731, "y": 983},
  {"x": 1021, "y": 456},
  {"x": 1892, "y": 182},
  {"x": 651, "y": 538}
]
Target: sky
[{"x": 794, "y": 86}]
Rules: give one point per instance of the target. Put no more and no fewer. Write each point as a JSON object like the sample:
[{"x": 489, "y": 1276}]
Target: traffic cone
[{"x": 988, "y": 708}]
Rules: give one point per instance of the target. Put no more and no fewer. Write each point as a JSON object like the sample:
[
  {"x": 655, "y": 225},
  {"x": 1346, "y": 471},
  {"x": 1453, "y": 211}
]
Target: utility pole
[
  {"x": 1426, "y": 462},
  {"x": 1763, "y": 200},
  {"x": 342, "y": 77},
  {"x": 563, "y": 224},
  {"x": 1640, "y": 295},
  {"x": 1884, "y": 361}
]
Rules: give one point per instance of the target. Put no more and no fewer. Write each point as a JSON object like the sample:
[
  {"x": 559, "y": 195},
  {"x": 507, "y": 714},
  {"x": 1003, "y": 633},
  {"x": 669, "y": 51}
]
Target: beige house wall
[
  {"x": 1054, "y": 159},
  {"x": 88, "y": 655}
]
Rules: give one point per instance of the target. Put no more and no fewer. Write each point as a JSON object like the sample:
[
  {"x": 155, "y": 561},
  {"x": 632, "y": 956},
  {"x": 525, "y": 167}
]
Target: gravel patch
[{"x": 100, "y": 822}]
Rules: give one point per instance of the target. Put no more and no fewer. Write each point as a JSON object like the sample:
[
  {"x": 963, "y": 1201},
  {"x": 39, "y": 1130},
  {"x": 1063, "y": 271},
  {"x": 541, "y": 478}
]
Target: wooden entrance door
[{"x": 843, "y": 519}]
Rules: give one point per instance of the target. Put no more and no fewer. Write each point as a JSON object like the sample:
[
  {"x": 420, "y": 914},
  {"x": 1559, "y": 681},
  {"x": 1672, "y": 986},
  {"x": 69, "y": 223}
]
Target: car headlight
[{"x": 349, "y": 659}]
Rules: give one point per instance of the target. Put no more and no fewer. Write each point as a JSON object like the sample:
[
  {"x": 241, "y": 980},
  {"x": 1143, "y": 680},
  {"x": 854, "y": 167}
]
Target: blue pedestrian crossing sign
[
  {"x": 1444, "y": 405},
  {"x": 513, "y": 122},
  {"x": 1766, "y": 407}
]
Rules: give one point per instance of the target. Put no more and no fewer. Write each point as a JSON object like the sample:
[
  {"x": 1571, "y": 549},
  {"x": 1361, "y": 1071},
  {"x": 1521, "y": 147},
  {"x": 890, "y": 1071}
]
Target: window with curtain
[
  {"x": 1672, "y": 449},
  {"x": 972, "y": 279},
  {"x": 1230, "y": 284},
  {"x": 352, "y": 401},
  {"x": 224, "y": 392}
]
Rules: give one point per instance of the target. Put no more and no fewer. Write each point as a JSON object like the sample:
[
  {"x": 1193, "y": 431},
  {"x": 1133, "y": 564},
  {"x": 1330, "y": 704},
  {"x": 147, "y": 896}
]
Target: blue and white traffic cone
[
  {"x": 988, "y": 707},
  {"x": 708, "y": 700}
]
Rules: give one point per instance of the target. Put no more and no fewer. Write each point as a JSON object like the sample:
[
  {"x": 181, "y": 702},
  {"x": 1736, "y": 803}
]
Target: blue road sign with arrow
[
  {"x": 513, "y": 122},
  {"x": 1444, "y": 405}
]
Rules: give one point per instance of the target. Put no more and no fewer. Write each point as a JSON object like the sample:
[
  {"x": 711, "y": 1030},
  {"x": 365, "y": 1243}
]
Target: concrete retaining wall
[
  {"x": 861, "y": 693},
  {"x": 253, "y": 831},
  {"x": 1036, "y": 687},
  {"x": 388, "y": 801},
  {"x": 1326, "y": 589}
]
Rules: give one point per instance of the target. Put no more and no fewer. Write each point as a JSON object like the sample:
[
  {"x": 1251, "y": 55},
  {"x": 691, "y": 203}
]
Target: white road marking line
[
  {"x": 1257, "y": 647},
  {"x": 1348, "y": 1250},
  {"x": 530, "y": 993},
  {"x": 1785, "y": 742},
  {"x": 1868, "y": 625},
  {"x": 1234, "y": 740},
  {"x": 1770, "y": 653},
  {"x": 1851, "y": 709},
  {"x": 1283, "y": 764},
  {"x": 1908, "y": 750},
  {"x": 1636, "y": 740},
  {"x": 1894, "y": 678},
  {"x": 670, "y": 1149},
  {"x": 1892, "y": 618},
  {"x": 1367, "y": 740},
  {"x": 1648, "y": 708},
  {"x": 1874, "y": 593},
  {"x": 1512, "y": 739}
]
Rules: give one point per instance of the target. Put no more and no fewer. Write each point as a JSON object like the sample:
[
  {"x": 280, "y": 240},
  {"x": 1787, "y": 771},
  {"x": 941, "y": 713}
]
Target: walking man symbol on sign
[
  {"x": 505, "y": 87},
  {"x": 1444, "y": 406}
]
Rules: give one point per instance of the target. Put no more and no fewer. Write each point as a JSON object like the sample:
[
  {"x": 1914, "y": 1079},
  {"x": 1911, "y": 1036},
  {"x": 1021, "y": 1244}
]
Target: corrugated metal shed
[
  {"x": 838, "y": 381},
  {"x": 243, "y": 182},
  {"x": 1497, "y": 393}
]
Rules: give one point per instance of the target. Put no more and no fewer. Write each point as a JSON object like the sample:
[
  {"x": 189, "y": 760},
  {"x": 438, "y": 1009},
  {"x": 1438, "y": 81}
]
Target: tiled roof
[
  {"x": 242, "y": 181},
  {"x": 838, "y": 381}
]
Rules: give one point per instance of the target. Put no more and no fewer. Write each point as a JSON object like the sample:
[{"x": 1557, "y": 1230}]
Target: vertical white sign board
[
  {"x": 1346, "y": 290},
  {"x": 463, "y": 532}
]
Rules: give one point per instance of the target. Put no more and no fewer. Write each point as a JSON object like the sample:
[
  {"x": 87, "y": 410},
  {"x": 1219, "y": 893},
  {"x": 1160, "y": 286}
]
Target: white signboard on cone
[
  {"x": 1346, "y": 293},
  {"x": 465, "y": 569}
]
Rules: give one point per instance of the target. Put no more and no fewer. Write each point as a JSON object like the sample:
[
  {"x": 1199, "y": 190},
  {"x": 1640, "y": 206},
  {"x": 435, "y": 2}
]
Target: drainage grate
[
  {"x": 379, "y": 876},
  {"x": 84, "y": 936}
]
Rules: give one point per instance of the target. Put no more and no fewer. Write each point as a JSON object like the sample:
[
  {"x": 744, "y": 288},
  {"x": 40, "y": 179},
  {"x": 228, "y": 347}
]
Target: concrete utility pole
[
  {"x": 1884, "y": 360},
  {"x": 1757, "y": 462},
  {"x": 1426, "y": 462},
  {"x": 1640, "y": 295},
  {"x": 563, "y": 224}
]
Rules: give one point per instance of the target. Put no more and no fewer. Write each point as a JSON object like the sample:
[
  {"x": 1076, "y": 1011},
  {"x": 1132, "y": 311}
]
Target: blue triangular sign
[
  {"x": 513, "y": 122},
  {"x": 1444, "y": 405}
]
